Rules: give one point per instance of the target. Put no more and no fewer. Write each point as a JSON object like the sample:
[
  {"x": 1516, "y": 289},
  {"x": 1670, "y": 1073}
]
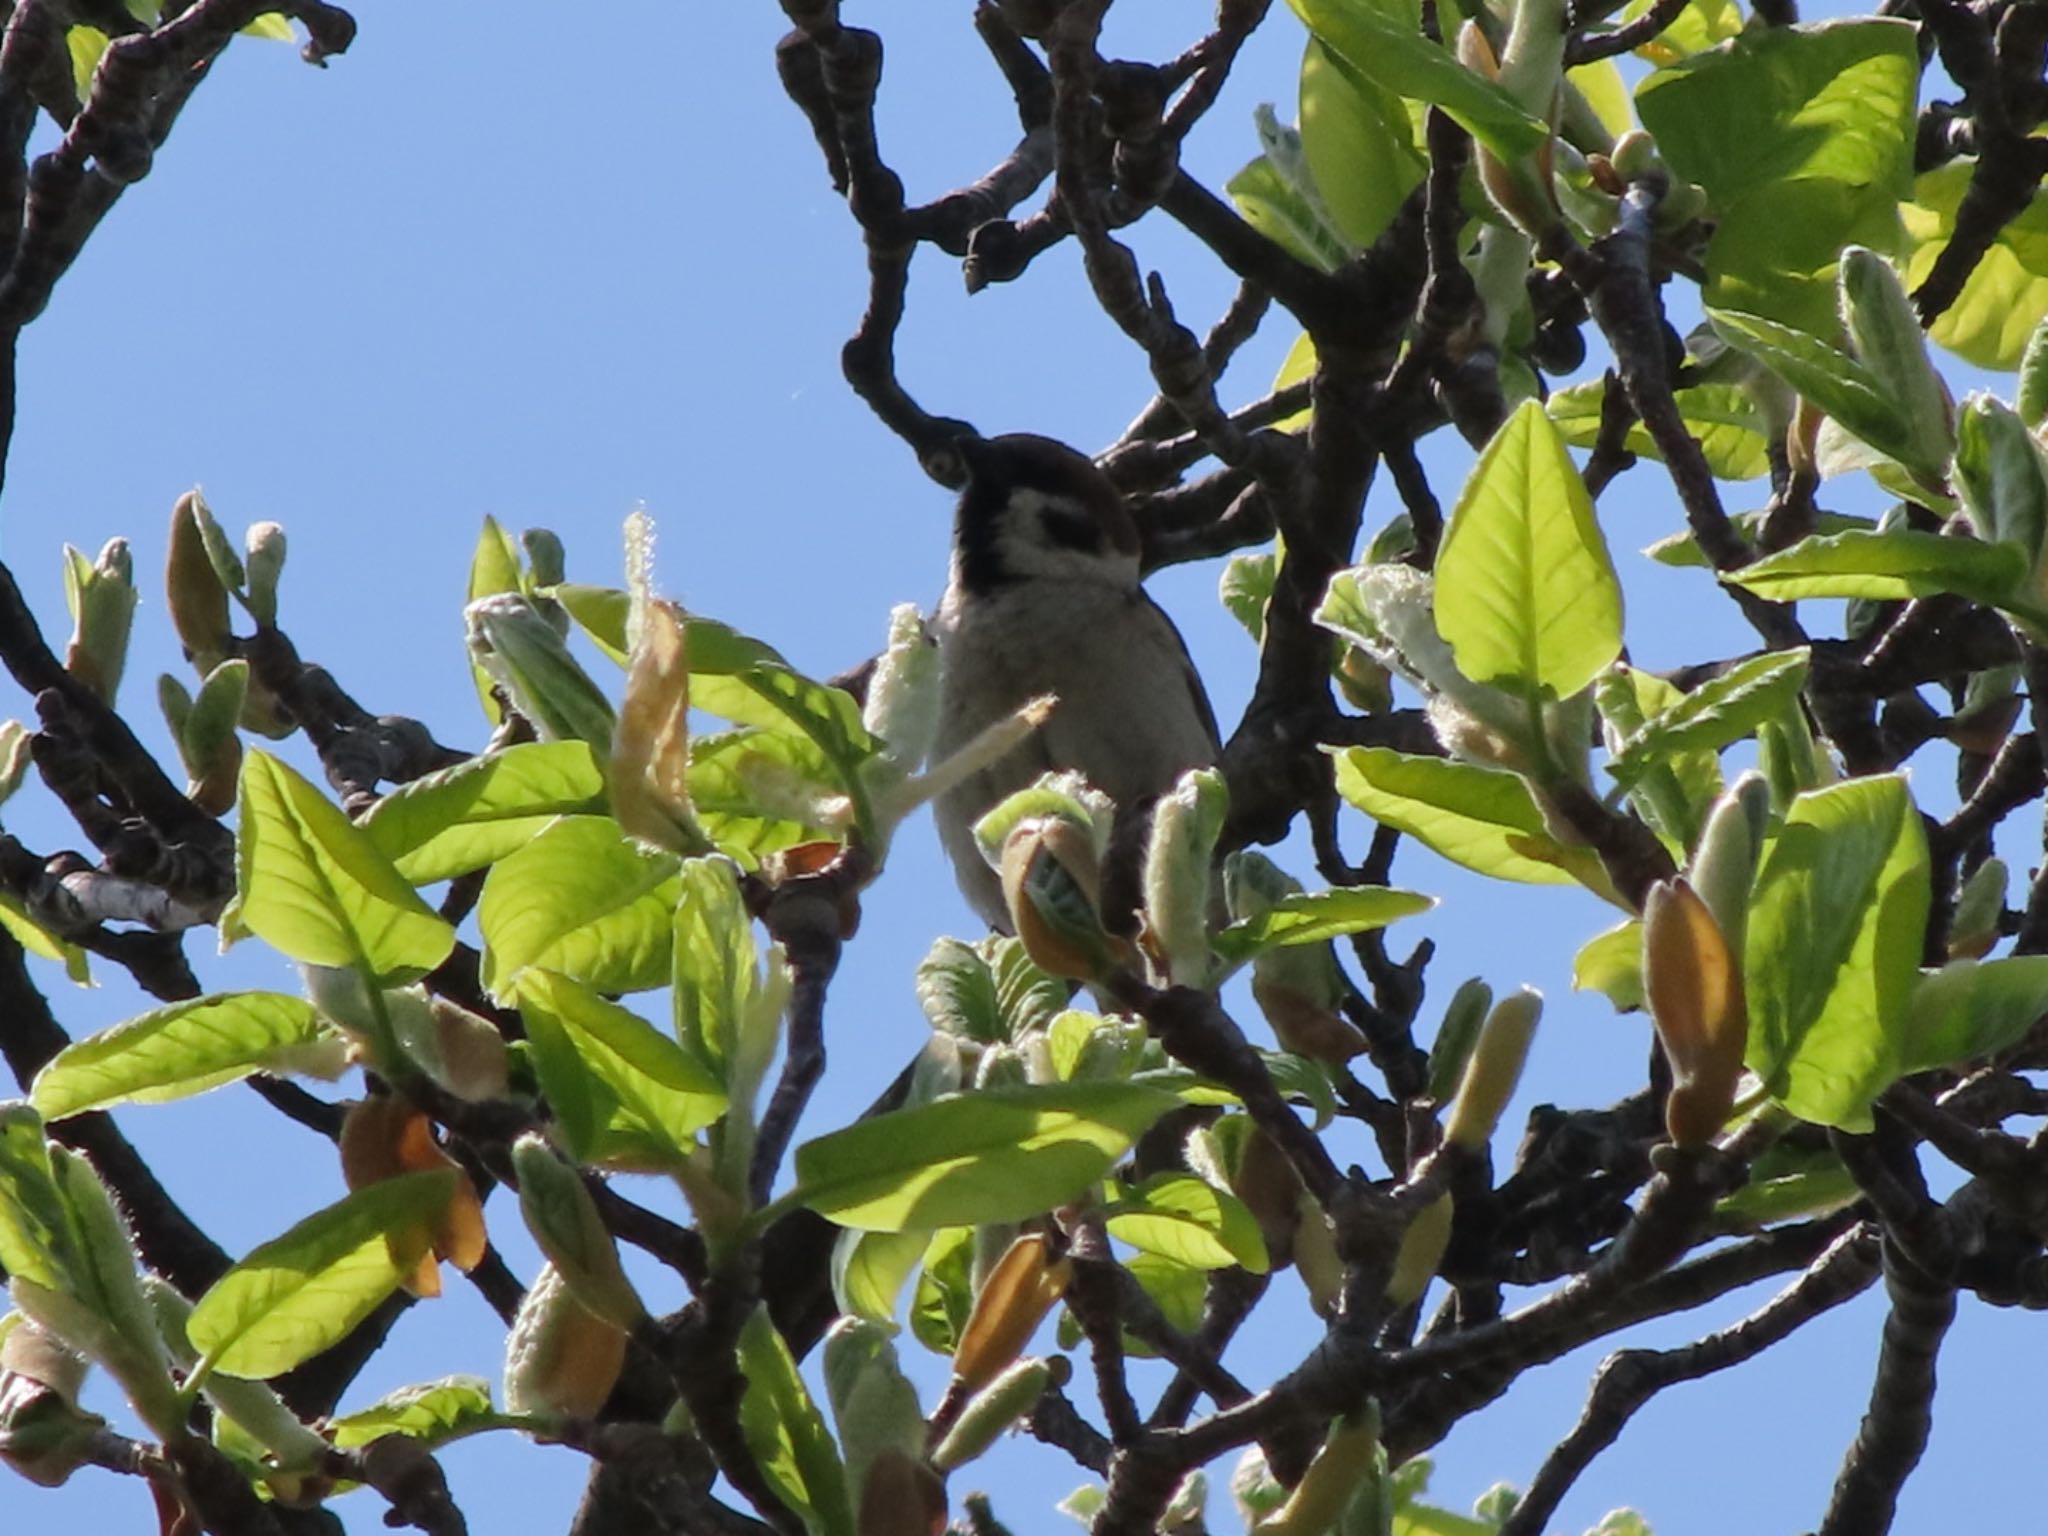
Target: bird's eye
[{"x": 1072, "y": 528}]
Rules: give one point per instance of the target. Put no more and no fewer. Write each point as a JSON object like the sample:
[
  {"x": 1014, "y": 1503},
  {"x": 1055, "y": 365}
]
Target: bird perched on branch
[{"x": 1044, "y": 598}]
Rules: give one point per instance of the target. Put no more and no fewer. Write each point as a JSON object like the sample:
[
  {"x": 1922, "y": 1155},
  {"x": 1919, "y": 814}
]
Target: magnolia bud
[
  {"x": 561, "y": 1359},
  {"x": 873, "y": 1402},
  {"x": 1693, "y": 983},
  {"x": 1464, "y": 1015},
  {"x": 196, "y": 596},
  {"x": 1020, "y": 1290},
  {"x": 1422, "y": 1248},
  {"x": 1349, "y": 1458},
  {"x": 522, "y": 653},
  {"x": 1178, "y": 863},
  {"x": 1723, "y": 866},
  {"x": 903, "y": 695},
  {"x": 997, "y": 1406},
  {"x": 1052, "y": 883},
  {"x": 1494, "y": 1069},
  {"x": 101, "y": 595},
  {"x": 265, "y": 545},
  {"x": 545, "y": 557},
  {"x": 461, "y": 1051},
  {"x": 564, "y": 1221},
  {"x": 207, "y": 739}
]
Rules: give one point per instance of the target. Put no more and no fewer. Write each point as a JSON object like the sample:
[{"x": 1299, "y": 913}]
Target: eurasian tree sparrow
[{"x": 1044, "y": 598}]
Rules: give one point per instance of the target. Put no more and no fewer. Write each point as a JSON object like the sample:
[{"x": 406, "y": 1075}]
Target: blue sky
[{"x": 549, "y": 272}]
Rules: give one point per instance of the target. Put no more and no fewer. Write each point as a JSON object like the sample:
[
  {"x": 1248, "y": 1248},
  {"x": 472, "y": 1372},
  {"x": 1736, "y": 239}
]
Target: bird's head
[{"x": 1034, "y": 510}]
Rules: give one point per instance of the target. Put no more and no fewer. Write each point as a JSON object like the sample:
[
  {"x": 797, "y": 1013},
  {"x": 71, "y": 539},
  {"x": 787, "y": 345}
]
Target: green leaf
[
  {"x": 1190, "y": 1221},
  {"x": 433, "y": 1411},
  {"x": 1246, "y": 585},
  {"x": 1697, "y": 27},
  {"x": 38, "y": 940},
  {"x": 1890, "y": 566},
  {"x": 482, "y": 809},
  {"x": 1731, "y": 430},
  {"x": 1832, "y": 956},
  {"x": 1787, "y": 1186},
  {"x": 2006, "y": 294},
  {"x": 715, "y": 964},
  {"x": 580, "y": 899},
  {"x": 1680, "y": 552},
  {"x": 1309, "y": 917},
  {"x": 1358, "y": 144},
  {"x": 996, "y": 1155},
  {"x": 1482, "y": 818},
  {"x": 869, "y": 1268},
  {"x": 1972, "y": 1009},
  {"x": 1391, "y": 51},
  {"x": 957, "y": 991},
  {"x": 1803, "y": 139},
  {"x": 1832, "y": 381},
  {"x": 1179, "y": 1290},
  {"x": 1525, "y": 592},
  {"x": 945, "y": 1290},
  {"x": 272, "y": 26},
  {"x": 311, "y": 884},
  {"x": 623, "y": 1092},
  {"x": 35, "y": 1228},
  {"x": 1720, "y": 711},
  {"x": 85, "y": 45},
  {"x": 493, "y": 568},
  {"x": 787, "y": 1434},
  {"x": 299, "y": 1293},
  {"x": 1611, "y": 963},
  {"x": 187, "y": 1048},
  {"x": 1286, "y": 215},
  {"x": 725, "y": 770}
]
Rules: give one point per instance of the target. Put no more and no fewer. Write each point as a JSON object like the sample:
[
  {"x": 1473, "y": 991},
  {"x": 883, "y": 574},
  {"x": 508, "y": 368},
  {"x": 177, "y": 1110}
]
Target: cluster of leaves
[{"x": 1814, "y": 952}]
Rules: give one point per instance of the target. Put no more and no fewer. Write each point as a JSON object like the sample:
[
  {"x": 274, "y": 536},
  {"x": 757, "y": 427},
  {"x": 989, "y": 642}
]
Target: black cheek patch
[{"x": 1072, "y": 530}]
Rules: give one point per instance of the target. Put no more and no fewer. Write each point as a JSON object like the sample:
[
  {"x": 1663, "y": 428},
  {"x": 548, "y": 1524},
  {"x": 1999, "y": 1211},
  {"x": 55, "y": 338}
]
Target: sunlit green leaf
[
  {"x": 869, "y": 1269},
  {"x": 1356, "y": 138},
  {"x": 945, "y": 1290},
  {"x": 1890, "y": 566},
  {"x": 1832, "y": 956},
  {"x": 312, "y": 884},
  {"x": 997, "y": 1155},
  {"x": 1971, "y": 1009},
  {"x": 1309, "y": 917},
  {"x": 433, "y": 1411},
  {"x": 1611, "y": 963},
  {"x": 1731, "y": 430},
  {"x": 38, "y": 940},
  {"x": 1721, "y": 710},
  {"x": 1526, "y": 594},
  {"x": 297, "y": 1294},
  {"x": 2006, "y": 293},
  {"x": 1679, "y": 551},
  {"x": 1190, "y": 1221},
  {"x": 186, "y": 1048},
  {"x": 582, "y": 899},
  {"x": 480, "y": 810},
  {"x": 622, "y": 1091},
  {"x": 787, "y": 1434},
  {"x": 1482, "y": 818}
]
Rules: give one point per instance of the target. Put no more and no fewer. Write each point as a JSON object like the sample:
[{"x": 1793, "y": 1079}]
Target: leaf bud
[
  {"x": 1052, "y": 885},
  {"x": 1349, "y": 1457},
  {"x": 873, "y": 1402},
  {"x": 461, "y": 1051},
  {"x": 44, "y": 1435},
  {"x": 2001, "y": 479},
  {"x": 1423, "y": 1243},
  {"x": 14, "y": 757},
  {"x": 197, "y": 598},
  {"x": 207, "y": 739},
  {"x": 561, "y": 1359},
  {"x": 2032, "y": 398},
  {"x": 1179, "y": 864},
  {"x": 545, "y": 558},
  {"x": 1635, "y": 156},
  {"x": 1494, "y": 1069},
  {"x": 650, "y": 746},
  {"x": 997, "y": 1407},
  {"x": 900, "y": 1496},
  {"x": 902, "y": 707},
  {"x": 1723, "y": 866},
  {"x": 1456, "y": 1036},
  {"x": 1693, "y": 983},
  {"x": 520, "y": 650},
  {"x": 101, "y": 595},
  {"x": 1886, "y": 335},
  {"x": 1025, "y": 1284},
  {"x": 565, "y": 1222},
  {"x": 265, "y": 546},
  {"x": 1315, "y": 1256}
]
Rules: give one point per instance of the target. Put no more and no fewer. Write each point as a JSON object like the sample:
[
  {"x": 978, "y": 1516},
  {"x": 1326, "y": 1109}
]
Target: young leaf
[
  {"x": 1803, "y": 139},
  {"x": 869, "y": 1268},
  {"x": 1311, "y": 916},
  {"x": 480, "y": 810},
  {"x": 312, "y": 884},
  {"x": 1611, "y": 963},
  {"x": 787, "y": 1434},
  {"x": 1971, "y": 1009},
  {"x": 1190, "y": 1221},
  {"x": 715, "y": 963},
  {"x": 1720, "y": 711},
  {"x": 38, "y": 940},
  {"x": 620, "y": 1088},
  {"x": 1833, "y": 949},
  {"x": 957, "y": 990},
  {"x": 186, "y": 1048},
  {"x": 1393, "y": 54},
  {"x": 1481, "y": 818},
  {"x": 35, "y": 1230},
  {"x": 297, "y": 1294},
  {"x": 1724, "y": 418},
  {"x": 1678, "y": 550},
  {"x": 999, "y": 1155},
  {"x": 1525, "y": 591},
  {"x": 1287, "y": 213},
  {"x": 1890, "y": 566},
  {"x": 432, "y": 1412},
  {"x": 730, "y": 772},
  {"x": 2006, "y": 293},
  {"x": 583, "y": 900},
  {"x": 493, "y": 568},
  {"x": 1358, "y": 143},
  {"x": 1833, "y": 382}
]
